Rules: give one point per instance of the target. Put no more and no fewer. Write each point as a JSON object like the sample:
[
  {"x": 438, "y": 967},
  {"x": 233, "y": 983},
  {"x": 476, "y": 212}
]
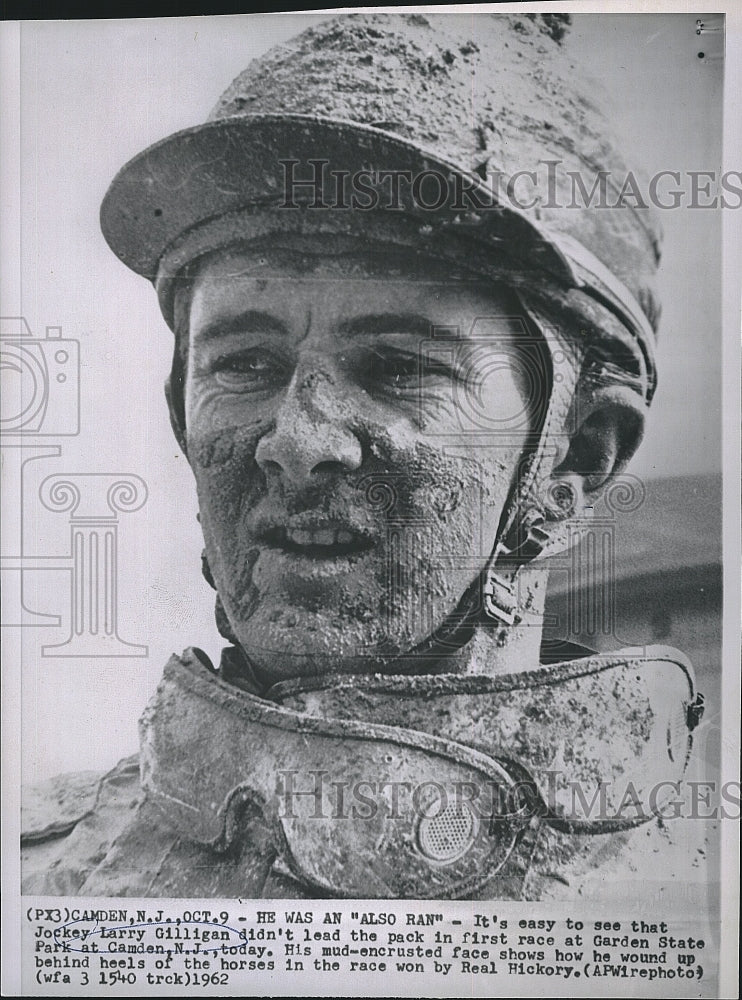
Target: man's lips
[{"x": 318, "y": 540}]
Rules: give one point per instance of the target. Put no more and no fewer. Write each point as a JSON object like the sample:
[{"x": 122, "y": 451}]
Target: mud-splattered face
[{"x": 334, "y": 417}]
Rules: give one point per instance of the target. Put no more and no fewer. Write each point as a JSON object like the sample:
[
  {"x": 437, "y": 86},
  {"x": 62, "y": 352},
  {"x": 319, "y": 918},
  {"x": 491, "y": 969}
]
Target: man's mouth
[{"x": 324, "y": 541}]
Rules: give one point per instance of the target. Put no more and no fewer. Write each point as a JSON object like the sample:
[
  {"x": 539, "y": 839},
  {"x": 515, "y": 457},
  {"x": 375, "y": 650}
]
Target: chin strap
[
  {"x": 419, "y": 787},
  {"x": 535, "y": 511},
  {"x": 527, "y": 540}
]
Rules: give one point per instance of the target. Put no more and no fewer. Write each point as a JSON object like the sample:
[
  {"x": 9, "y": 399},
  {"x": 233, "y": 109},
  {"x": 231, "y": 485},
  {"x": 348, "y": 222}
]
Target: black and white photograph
[{"x": 370, "y": 499}]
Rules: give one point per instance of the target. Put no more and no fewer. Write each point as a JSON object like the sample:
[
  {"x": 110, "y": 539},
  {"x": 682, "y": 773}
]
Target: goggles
[{"x": 414, "y": 787}]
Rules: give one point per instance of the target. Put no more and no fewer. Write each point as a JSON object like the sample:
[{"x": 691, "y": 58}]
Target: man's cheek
[
  {"x": 223, "y": 463},
  {"x": 221, "y": 442},
  {"x": 230, "y": 554},
  {"x": 228, "y": 482},
  {"x": 440, "y": 539}
]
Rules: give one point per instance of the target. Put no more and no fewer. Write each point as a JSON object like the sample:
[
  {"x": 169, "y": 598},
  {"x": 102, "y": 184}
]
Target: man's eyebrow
[
  {"x": 378, "y": 323},
  {"x": 252, "y": 320}
]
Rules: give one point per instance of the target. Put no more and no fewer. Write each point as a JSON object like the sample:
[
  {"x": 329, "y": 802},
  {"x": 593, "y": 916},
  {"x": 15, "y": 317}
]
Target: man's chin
[{"x": 305, "y": 645}]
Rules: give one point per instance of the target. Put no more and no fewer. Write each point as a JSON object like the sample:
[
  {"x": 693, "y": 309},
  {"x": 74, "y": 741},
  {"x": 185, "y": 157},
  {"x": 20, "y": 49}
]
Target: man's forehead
[
  {"x": 366, "y": 280},
  {"x": 320, "y": 258}
]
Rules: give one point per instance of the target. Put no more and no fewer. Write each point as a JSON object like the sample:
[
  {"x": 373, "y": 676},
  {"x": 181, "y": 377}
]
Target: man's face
[{"x": 347, "y": 495}]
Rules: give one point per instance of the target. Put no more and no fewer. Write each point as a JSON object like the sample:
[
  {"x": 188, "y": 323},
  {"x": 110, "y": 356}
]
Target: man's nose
[{"x": 310, "y": 435}]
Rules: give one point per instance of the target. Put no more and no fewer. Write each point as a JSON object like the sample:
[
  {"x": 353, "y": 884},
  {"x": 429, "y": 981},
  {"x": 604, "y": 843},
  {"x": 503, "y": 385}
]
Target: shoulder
[{"x": 67, "y": 822}]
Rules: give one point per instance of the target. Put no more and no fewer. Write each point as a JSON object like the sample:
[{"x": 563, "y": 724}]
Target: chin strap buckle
[
  {"x": 525, "y": 541},
  {"x": 500, "y": 600},
  {"x": 694, "y": 711}
]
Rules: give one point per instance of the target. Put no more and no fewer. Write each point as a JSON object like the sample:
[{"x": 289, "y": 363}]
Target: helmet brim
[{"x": 232, "y": 164}]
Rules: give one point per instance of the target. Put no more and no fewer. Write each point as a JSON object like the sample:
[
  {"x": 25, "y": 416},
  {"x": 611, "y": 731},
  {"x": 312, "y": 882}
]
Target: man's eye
[
  {"x": 393, "y": 368},
  {"x": 248, "y": 370},
  {"x": 399, "y": 370}
]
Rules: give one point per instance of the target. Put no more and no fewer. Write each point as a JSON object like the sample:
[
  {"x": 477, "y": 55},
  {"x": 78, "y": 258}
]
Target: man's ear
[
  {"x": 606, "y": 429},
  {"x": 177, "y": 416}
]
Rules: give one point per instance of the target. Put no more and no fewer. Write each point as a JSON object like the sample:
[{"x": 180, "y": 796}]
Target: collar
[{"x": 418, "y": 787}]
